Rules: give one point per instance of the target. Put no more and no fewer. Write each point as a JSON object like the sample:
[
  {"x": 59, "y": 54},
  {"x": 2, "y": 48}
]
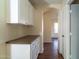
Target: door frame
[{"x": 65, "y": 50}]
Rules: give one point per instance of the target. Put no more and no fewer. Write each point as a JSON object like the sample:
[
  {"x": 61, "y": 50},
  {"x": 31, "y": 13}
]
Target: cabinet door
[
  {"x": 30, "y": 13},
  {"x": 38, "y": 46},
  {"x": 12, "y": 11},
  {"x": 35, "y": 48},
  {"x": 26, "y": 11},
  {"x": 20, "y": 51},
  {"x": 33, "y": 51},
  {"x": 21, "y": 11}
]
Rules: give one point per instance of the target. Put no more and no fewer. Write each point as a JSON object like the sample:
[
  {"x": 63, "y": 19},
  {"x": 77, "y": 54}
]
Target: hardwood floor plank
[{"x": 50, "y": 51}]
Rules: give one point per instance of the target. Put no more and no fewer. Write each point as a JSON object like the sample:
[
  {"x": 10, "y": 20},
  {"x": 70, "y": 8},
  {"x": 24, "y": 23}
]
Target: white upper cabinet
[
  {"x": 30, "y": 13},
  {"x": 19, "y": 12}
]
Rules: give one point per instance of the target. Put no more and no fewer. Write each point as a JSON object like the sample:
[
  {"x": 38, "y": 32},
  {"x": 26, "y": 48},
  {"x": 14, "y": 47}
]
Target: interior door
[{"x": 75, "y": 31}]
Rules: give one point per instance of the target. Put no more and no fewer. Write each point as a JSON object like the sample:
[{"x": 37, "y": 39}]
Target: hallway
[{"x": 50, "y": 51}]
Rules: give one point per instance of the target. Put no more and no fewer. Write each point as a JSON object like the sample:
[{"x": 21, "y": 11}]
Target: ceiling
[
  {"x": 42, "y": 3},
  {"x": 75, "y": 2}
]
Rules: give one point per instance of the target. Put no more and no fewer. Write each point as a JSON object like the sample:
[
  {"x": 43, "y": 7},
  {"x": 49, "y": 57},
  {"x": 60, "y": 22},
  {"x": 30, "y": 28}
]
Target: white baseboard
[{"x": 42, "y": 51}]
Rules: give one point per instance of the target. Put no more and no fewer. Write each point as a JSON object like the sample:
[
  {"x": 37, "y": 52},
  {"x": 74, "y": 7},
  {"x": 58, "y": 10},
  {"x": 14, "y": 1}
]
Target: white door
[{"x": 75, "y": 31}]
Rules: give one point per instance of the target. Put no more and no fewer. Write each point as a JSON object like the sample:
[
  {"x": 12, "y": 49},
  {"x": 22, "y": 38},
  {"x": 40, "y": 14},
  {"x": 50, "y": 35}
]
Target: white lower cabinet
[
  {"x": 19, "y": 51},
  {"x": 24, "y": 51},
  {"x": 35, "y": 49}
]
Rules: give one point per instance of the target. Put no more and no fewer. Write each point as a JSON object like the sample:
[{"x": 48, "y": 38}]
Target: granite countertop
[{"x": 24, "y": 40}]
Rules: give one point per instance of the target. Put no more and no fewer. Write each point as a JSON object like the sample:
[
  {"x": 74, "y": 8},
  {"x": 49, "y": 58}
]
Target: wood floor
[{"x": 50, "y": 51}]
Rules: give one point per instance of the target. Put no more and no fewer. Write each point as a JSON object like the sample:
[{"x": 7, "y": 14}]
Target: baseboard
[
  {"x": 48, "y": 42},
  {"x": 42, "y": 51},
  {"x": 60, "y": 55},
  {"x": 54, "y": 38}
]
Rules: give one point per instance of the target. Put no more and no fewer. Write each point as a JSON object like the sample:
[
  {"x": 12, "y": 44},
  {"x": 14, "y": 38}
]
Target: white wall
[
  {"x": 50, "y": 17},
  {"x": 38, "y": 27}
]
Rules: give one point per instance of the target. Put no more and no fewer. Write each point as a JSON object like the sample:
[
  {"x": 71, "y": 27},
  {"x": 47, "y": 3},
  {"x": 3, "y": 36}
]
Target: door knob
[{"x": 62, "y": 35}]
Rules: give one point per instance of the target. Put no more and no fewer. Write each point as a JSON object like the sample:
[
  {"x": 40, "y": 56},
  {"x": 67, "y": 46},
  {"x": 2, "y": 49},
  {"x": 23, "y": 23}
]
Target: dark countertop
[{"x": 23, "y": 40}]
